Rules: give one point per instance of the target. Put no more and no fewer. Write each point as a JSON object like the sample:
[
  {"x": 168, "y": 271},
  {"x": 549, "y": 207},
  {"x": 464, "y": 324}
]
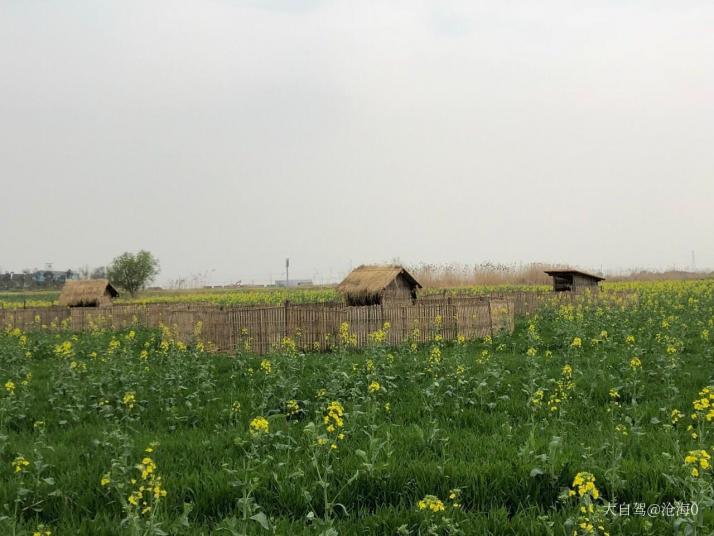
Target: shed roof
[
  {"x": 574, "y": 272},
  {"x": 370, "y": 279},
  {"x": 86, "y": 292}
]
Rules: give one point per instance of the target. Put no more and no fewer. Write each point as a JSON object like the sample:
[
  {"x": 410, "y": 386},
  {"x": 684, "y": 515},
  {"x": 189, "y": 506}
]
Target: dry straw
[
  {"x": 87, "y": 293},
  {"x": 365, "y": 285}
]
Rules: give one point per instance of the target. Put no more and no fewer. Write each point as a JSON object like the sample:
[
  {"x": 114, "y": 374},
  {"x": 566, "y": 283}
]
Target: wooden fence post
[
  {"x": 285, "y": 319},
  {"x": 490, "y": 316}
]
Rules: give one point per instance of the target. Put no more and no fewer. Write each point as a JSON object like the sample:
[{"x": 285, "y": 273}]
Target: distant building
[
  {"x": 39, "y": 279},
  {"x": 293, "y": 283},
  {"x": 87, "y": 293},
  {"x": 49, "y": 278},
  {"x": 373, "y": 285},
  {"x": 573, "y": 280}
]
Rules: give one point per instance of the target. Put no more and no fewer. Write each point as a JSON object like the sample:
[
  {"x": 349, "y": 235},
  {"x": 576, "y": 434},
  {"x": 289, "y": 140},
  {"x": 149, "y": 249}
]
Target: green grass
[
  {"x": 462, "y": 422},
  {"x": 37, "y": 298},
  {"x": 246, "y": 296}
]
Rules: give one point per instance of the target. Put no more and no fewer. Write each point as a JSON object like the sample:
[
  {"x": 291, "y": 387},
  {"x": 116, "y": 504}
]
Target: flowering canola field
[
  {"x": 591, "y": 419},
  {"x": 255, "y": 296},
  {"x": 240, "y": 297}
]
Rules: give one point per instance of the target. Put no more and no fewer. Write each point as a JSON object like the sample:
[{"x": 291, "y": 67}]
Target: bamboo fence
[{"x": 311, "y": 326}]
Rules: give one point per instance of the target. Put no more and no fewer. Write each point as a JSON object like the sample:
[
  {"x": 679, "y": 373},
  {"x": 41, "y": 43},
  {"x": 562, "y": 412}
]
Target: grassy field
[
  {"x": 247, "y": 296},
  {"x": 37, "y": 298},
  {"x": 137, "y": 433},
  {"x": 275, "y": 296}
]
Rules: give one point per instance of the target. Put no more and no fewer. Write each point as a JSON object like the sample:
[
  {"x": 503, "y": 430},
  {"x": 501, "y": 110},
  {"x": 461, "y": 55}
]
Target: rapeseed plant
[
  {"x": 129, "y": 400},
  {"x": 42, "y": 530},
  {"x": 20, "y": 464},
  {"x": 259, "y": 426},
  {"x": 10, "y": 387},
  {"x": 431, "y": 503},
  {"x": 699, "y": 462}
]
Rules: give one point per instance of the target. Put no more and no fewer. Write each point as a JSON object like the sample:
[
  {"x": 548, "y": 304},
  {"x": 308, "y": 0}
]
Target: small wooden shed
[
  {"x": 373, "y": 285},
  {"x": 87, "y": 293},
  {"x": 573, "y": 280}
]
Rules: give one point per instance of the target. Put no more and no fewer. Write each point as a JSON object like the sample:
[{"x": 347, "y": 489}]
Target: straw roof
[
  {"x": 366, "y": 283},
  {"x": 87, "y": 293}
]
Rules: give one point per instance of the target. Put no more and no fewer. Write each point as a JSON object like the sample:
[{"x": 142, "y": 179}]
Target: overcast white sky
[{"x": 224, "y": 136}]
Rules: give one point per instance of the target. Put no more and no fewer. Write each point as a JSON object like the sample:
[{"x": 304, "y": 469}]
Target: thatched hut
[
  {"x": 574, "y": 280},
  {"x": 373, "y": 285},
  {"x": 87, "y": 293}
]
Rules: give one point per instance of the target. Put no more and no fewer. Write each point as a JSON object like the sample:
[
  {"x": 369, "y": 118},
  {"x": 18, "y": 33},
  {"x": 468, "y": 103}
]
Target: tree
[
  {"x": 131, "y": 272},
  {"x": 83, "y": 271},
  {"x": 99, "y": 273}
]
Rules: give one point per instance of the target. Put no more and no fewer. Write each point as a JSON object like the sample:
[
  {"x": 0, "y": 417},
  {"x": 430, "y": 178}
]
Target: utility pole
[{"x": 287, "y": 271}]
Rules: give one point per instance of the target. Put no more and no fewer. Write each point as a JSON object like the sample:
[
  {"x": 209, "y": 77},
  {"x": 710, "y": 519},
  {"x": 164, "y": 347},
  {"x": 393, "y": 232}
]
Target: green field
[
  {"x": 246, "y": 296},
  {"x": 473, "y": 437},
  {"x": 36, "y": 298}
]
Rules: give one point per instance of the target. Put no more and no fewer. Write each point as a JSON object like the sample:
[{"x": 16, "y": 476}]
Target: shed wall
[
  {"x": 399, "y": 290},
  {"x": 562, "y": 283},
  {"x": 583, "y": 283}
]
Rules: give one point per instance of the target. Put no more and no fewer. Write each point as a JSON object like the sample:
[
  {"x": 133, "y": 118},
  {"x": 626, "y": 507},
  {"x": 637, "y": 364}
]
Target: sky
[{"x": 226, "y": 135}]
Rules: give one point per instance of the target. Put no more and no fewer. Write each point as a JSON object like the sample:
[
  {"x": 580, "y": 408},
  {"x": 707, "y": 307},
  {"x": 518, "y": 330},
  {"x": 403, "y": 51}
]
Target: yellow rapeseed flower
[
  {"x": 567, "y": 371},
  {"x": 129, "y": 399},
  {"x": 289, "y": 345},
  {"x": 292, "y": 407},
  {"x": 64, "y": 350},
  {"x": 431, "y": 503},
  {"x": 345, "y": 337},
  {"x": 20, "y": 463},
  {"x": 333, "y": 419},
  {"x": 584, "y": 484},
  {"x": 699, "y": 460},
  {"x": 536, "y": 400},
  {"x": 147, "y": 467},
  {"x": 10, "y": 387},
  {"x": 435, "y": 356},
  {"x": 42, "y": 530},
  {"x": 259, "y": 425},
  {"x": 114, "y": 344}
]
